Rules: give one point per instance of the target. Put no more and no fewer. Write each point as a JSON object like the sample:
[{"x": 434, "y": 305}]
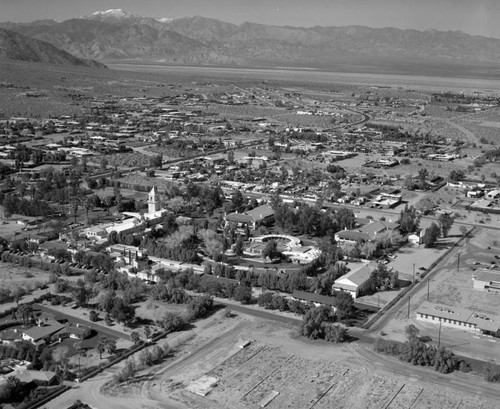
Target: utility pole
[
  {"x": 458, "y": 262},
  {"x": 409, "y": 307},
  {"x": 439, "y": 336},
  {"x": 428, "y": 281}
]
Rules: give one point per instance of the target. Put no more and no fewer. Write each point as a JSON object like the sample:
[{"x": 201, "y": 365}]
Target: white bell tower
[{"x": 153, "y": 201}]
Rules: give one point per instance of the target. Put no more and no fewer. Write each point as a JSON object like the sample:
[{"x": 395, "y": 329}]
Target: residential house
[
  {"x": 414, "y": 239},
  {"x": 302, "y": 254},
  {"x": 42, "y": 333},
  {"x": 474, "y": 193},
  {"x": 493, "y": 194},
  {"x": 40, "y": 378},
  {"x": 10, "y": 336},
  {"x": 388, "y": 200},
  {"x": 252, "y": 218},
  {"x": 368, "y": 232},
  {"x": 78, "y": 331}
]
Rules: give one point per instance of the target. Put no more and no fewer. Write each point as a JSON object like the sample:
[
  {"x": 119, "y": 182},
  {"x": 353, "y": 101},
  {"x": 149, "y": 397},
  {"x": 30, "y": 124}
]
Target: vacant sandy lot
[
  {"x": 12, "y": 276},
  {"x": 299, "y": 374},
  {"x": 278, "y": 363}
]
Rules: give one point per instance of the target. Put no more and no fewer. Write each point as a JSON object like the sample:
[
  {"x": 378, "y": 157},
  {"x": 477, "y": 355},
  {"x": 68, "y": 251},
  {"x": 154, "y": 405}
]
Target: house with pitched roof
[
  {"x": 10, "y": 336},
  {"x": 43, "y": 333},
  {"x": 368, "y": 232},
  {"x": 42, "y": 378},
  {"x": 253, "y": 218},
  {"x": 355, "y": 281}
]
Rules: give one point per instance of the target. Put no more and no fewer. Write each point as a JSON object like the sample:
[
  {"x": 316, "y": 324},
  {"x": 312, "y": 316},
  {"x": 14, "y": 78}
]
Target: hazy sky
[{"x": 471, "y": 16}]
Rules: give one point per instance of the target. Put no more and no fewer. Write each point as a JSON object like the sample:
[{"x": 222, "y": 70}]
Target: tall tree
[
  {"x": 409, "y": 220},
  {"x": 313, "y": 322},
  {"x": 110, "y": 346},
  {"x": 101, "y": 346},
  {"x": 239, "y": 246},
  {"x": 422, "y": 175},
  {"x": 431, "y": 235},
  {"x": 271, "y": 250},
  {"x": 445, "y": 222}
]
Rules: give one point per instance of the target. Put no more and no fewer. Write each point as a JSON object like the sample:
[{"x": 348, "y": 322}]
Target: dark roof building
[
  {"x": 253, "y": 218},
  {"x": 41, "y": 334},
  {"x": 316, "y": 299},
  {"x": 367, "y": 232}
]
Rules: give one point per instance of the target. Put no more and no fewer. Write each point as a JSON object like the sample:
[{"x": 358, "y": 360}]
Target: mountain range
[
  {"x": 15, "y": 46},
  {"x": 119, "y": 35}
]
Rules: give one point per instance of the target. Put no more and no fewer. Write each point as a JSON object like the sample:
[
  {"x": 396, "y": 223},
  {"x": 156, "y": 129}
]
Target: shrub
[
  {"x": 492, "y": 372},
  {"x": 93, "y": 316},
  {"x": 107, "y": 320},
  {"x": 171, "y": 322}
]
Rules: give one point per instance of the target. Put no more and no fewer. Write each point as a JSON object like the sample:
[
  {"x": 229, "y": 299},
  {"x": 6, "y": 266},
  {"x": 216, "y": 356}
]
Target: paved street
[{"x": 98, "y": 327}]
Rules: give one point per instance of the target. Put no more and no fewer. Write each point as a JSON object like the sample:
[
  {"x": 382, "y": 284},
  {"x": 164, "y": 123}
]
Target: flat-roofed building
[
  {"x": 486, "y": 280},
  {"x": 312, "y": 298},
  {"x": 459, "y": 318}
]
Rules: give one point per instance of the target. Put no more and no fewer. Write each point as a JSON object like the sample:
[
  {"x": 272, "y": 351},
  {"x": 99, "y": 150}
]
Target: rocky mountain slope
[{"x": 15, "y": 46}]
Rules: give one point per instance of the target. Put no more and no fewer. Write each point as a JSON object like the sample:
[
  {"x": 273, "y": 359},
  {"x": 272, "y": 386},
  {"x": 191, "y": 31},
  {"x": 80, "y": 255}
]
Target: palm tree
[
  {"x": 88, "y": 206},
  {"x": 74, "y": 207},
  {"x": 26, "y": 310},
  {"x": 101, "y": 346}
]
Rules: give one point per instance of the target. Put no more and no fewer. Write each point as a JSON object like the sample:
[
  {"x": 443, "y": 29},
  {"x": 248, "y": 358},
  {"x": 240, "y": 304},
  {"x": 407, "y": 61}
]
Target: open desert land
[
  {"x": 427, "y": 83},
  {"x": 451, "y": 285},
  {"x": 13, "y": 276},
  {"x": 34, "y": 91},
  {"x": 210, "y": 368}
]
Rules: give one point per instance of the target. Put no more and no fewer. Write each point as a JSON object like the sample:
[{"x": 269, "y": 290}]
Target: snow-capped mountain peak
[
  {"x": 119, "y": 16},
  {"x": 113, "y": 15},
  {"x": 117, "y": 13},
  {"x": 164, "y": 20}
]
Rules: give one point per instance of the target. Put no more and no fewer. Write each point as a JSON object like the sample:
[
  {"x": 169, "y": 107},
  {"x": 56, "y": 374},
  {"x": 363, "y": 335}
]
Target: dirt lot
[
  {"x": 12, "y": 276},
  {"x": 316, "y": 375},
  {"x": 304, "y": 374}
]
